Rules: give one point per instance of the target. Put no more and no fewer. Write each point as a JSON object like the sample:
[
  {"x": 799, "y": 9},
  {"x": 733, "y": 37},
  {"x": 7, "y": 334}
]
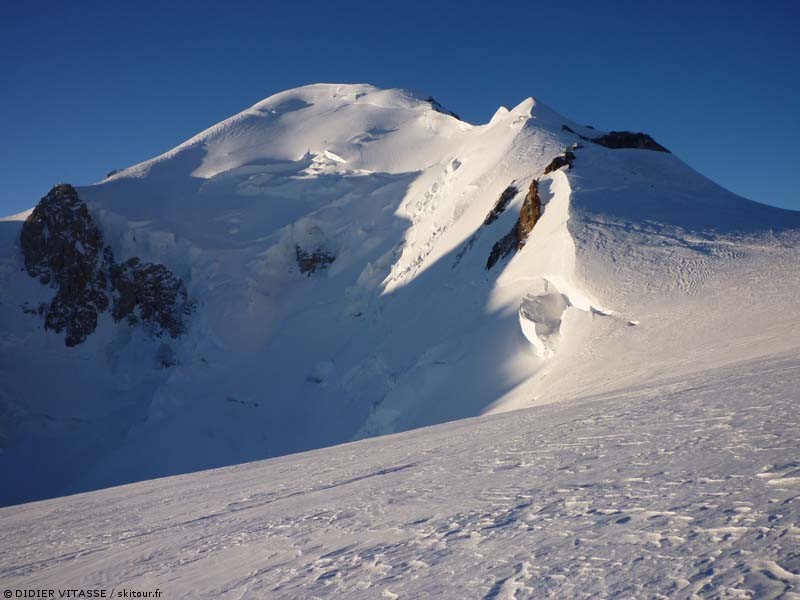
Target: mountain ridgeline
[{"x": 340, "y": 261}]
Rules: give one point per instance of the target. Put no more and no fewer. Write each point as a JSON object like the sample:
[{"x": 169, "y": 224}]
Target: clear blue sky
[{"x": 86, "y": 87}]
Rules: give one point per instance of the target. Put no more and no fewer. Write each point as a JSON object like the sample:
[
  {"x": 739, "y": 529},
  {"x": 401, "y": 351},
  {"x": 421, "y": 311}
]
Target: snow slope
[
  {"x": 688, "y": 488},
  {"x": 640, "y": 270}
]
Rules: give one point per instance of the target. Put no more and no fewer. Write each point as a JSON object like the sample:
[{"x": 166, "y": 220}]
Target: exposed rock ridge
[
  {"x": 64, "y": 248},
  {"x": 563, "y": 160},
  {"x": 629, "y": 139},
  {"x": 500, "y": 206},
  {"x": 529, "y": 214},
  {"x": 435, "y": 105},
  {"x": 621, "y": 139},
  {"x": 498, "y": 209}
]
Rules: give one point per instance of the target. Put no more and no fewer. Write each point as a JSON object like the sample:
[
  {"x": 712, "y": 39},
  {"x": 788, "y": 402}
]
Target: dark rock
[
  {"x": 500, "y": 206},
  {"x": 76, "y": 312},
  {"x": 620, "y": 139},
  {"x": 507, "y": 243},
  {"x": 309, "y": 262},
  {"x": 59, "y": 240},
  {"x": 502, "y": 248},
  {"x": 629, "y": 139},
  {"x": 564, "y": 160},
  {"x": 112, "y": 173},
  {"x": 63, "y": 247},
  {"x": 441, "y": 109},
  {"x": 151, "y": 294},
  {"x": 529, "y": 214}
]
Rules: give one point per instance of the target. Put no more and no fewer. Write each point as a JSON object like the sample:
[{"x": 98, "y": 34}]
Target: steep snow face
[{"x": 334, "y": 242}]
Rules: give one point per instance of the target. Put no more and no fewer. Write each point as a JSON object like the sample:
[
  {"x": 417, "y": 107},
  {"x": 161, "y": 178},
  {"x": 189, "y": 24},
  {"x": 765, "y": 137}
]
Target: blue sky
[{"x": 87, "y": 87}]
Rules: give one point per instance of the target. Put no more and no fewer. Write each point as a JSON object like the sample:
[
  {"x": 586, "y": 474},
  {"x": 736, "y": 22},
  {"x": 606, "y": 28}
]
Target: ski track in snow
[{"x": 687, "y": 489}]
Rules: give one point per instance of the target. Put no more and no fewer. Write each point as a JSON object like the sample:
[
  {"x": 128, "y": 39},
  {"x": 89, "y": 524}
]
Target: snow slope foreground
[
  {"x": 684, "y": 489},
  {"x": 358, "y": 262}
]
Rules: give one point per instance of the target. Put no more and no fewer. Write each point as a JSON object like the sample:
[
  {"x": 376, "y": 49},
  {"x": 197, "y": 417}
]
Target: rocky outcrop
[
  {"x": 60, "y": 242},
  {"x": 502, "y": 203},
  {"x": 502, "y": 247},
  {"x": 629, "y": 139},
  {"x": 563, "y": 160},
  {"x": 529, "y": 214},
  {"x": 441, "y": 109},
  {"x": 621, "y": 139},
  {"x": 63, "y": 248},
  {"x": 310, "y": 261},
  {"x": 149, "y": 293},
  {"x": 507, "y": 242}
]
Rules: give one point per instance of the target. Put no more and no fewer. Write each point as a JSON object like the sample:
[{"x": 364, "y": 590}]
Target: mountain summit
[{"x": 342, "y": 261}]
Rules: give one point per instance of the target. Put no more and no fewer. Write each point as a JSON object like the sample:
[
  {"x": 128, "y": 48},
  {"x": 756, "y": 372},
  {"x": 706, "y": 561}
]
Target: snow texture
[
  {"x": 689, "y": 488},
  {"x": 333, "y": 240}
]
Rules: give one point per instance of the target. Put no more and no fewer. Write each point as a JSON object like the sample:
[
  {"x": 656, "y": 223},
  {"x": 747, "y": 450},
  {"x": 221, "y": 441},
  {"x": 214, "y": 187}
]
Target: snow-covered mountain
[{"x": 340, "y": 261}]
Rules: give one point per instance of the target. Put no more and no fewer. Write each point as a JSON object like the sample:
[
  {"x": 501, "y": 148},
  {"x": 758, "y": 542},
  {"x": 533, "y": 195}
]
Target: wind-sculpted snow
[
  {"x": 685, "y": 489},
  {"x": 331, "y": 243}
]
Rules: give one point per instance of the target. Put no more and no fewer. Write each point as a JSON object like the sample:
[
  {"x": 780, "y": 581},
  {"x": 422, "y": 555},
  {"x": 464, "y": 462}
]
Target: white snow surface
[
  {"x": 686, "y": 488},
  {"x": 640, "y": 271}
]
